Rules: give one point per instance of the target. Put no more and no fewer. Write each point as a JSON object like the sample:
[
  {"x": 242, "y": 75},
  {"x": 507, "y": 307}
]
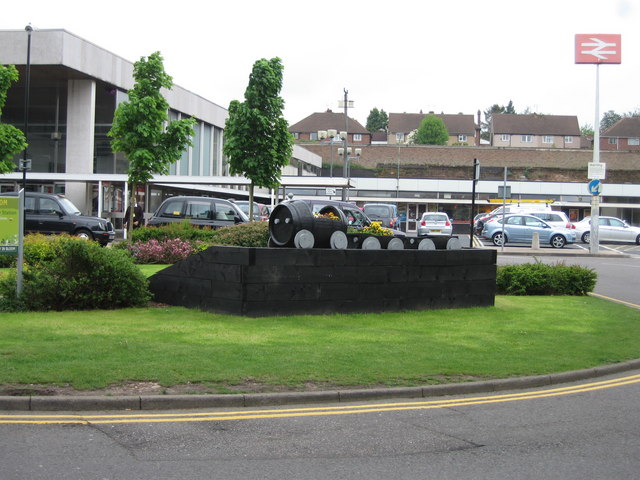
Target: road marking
[
  {"x": 38, "y": 419},
  {"x": 629, "y": 304}
]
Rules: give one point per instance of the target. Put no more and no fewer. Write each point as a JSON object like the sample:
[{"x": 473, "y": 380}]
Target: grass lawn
[{"x": 519, "y": 336}]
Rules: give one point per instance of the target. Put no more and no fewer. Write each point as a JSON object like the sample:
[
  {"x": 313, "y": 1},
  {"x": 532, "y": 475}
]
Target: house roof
[
  {"x": 326, "y": 121},
  {"x": 628, "y": 127},
  {"x": 534, "y": 124},
  {"x": 408, "y": 122}
]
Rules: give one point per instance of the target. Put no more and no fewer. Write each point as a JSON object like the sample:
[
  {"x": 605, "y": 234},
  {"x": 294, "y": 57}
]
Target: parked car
[
  {"x": 55, "y": 214},
  {"x": 199, "y": 211},
  {"x": 554, "y": 218},
  {"x": 525, "y": 208},
  {"x": 519, "y": 228},
  {"x": 435, "y": 223},
  {"x": 356, "y": 218},
  {"x": 610, "y": 229},
  {"x": 260, "y": 212},
  {"x": 385, "y": 213}
]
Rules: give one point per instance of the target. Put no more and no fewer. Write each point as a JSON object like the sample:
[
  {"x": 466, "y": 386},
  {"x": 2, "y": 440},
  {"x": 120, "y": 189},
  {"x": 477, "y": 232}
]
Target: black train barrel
[{"x": 293, "y": 224}]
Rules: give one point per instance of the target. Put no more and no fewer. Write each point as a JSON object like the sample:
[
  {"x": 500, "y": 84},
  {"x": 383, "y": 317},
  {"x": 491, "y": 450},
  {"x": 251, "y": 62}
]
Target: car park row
[{"x": 51, "y": 214}]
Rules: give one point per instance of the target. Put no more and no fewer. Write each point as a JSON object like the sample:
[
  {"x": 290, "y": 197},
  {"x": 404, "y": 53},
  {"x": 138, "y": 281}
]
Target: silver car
[
  {"x": 520, "y": 229},
  {"x": 610, "y": 229},
  {"x": 435, "y": 223}
]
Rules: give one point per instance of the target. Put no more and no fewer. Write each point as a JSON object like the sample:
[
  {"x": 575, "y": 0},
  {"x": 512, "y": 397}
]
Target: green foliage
[
  {"x": 81, "y": 276},
  {"x": 495, "y": 108},
  {"x": 156, "y": 244},
  {"x": 432, "y": 131},
  {"x": 12, "y": 140},
  {"x": 377, "y": 121},
  {"x": 253, "y": 234},
  {"x": 257, "y": 141},
  {"x": 608, "y": 119},
  {"x": 542, "y": 279},
  {"x": 140, "y": 129}
]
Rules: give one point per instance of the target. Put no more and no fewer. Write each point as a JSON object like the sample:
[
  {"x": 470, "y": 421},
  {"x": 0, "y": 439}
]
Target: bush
[
  {"x": 80, "y": 276},
  {"x": 165, "y": 251},
  {"x": 252, "y": 234},
  {"x": 176, "y": 241},
  {"x": 542, "y": 279}
]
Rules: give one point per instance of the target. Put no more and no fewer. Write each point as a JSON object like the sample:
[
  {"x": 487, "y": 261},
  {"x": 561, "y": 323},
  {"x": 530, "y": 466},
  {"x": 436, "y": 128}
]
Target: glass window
[
  {"x": 547, "y": 139},
  {"x": 357, "y": 137},
  {"x": 195, "y": 150},
  {"x": 526, "y": 138},
  {"x": 462, "y": 137},
  {"x": 614, "y": 222},
  {"x": 313, "y": 135},
  {"x": 506, "y": 137},
  {"x": 199, "y": 209},
  {"x": 533, "y": 222},
  {"x": 173, "y": 209},
  {"x": 514, "y": 221},
  {"x": 613, "y": 141},
  {"x": 568, "y": 139},
  {"x": 399, "y": 137},
  {"x": 634, "y": 141},
  {"x": 224, "y": 211},
  {"x": 206, "y": 150},
  {"x": 48, "y": 207}
]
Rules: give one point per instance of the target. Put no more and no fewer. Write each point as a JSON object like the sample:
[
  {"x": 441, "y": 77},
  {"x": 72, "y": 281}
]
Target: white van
[{"x": 522, "y": 208}]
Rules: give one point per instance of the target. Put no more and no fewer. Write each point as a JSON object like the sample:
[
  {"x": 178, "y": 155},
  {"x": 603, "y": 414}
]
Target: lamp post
[
  {"x": 330, "y": 134},
  {"x": 347, "y": 157},
  {"x": 25, "y": 164}
]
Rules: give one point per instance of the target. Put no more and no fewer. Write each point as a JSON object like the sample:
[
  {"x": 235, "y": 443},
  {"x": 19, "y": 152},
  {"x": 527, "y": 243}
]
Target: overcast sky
[{"x": 446, "y": 56}]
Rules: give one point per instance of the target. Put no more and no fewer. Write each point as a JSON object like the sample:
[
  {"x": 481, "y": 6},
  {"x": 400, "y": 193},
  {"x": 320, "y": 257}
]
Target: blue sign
[{"x": 595, "y": 187}]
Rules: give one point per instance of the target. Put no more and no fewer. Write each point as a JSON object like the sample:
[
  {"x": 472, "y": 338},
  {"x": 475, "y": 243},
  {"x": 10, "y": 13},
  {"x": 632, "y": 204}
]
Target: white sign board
[
  {"x": 330, "y": 191},
  {"x": 596, "y": 171}
]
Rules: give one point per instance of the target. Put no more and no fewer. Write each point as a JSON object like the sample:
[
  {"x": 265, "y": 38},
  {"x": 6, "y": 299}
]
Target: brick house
[
  {"x": 622, "y": 135},
  {"x": 535, "y": 131},
  {"x": 462, "y": 129},
  {"x": 307, "y": 128}
]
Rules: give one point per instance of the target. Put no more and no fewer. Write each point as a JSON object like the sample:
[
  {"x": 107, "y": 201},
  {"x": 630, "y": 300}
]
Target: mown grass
[{"x": 519, "y": 336}]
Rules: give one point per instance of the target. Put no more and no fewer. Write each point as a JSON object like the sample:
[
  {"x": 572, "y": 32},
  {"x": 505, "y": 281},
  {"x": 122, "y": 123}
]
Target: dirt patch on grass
[{"x": 247, "y": 386}]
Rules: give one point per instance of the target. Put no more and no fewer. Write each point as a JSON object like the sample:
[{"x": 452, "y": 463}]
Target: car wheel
[
  {"x": 586, "y": 237},
  {"x": 84, "y": 234},
  {"x": 638, "y": 240},
  {"x": 558, "y": 241},
  {"x": 497, "y": 239}
]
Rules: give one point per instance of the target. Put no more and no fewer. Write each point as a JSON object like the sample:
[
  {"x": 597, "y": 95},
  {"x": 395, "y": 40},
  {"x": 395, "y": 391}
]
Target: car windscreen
[
  {"x": 377, "y": 211},
  {"x": 435, "y": 218},
  {"x": 68, "y": 206}
]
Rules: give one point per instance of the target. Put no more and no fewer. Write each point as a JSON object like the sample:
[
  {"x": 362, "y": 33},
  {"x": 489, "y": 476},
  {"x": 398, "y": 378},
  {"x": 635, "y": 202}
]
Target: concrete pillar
[{"x": 81, "y": 114}]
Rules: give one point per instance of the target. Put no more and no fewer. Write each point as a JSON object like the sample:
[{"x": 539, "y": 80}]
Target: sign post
[
  {"x": 12, "y": 231},
  {"x": 597, "y": 49}
]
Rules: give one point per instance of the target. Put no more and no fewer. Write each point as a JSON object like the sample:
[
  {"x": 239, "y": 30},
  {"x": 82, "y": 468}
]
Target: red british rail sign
[{"x": 598, "y": 48}]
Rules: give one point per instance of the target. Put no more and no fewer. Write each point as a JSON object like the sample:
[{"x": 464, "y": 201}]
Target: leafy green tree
[
  {"x": 257, "y": 140},
  {"x": 432, "y": 131},
  {"x": 12, "y": 140},
  {"x": 485, "y": 133},
  {"x": 141, "y": 129},
  {"x": 377, "y": 120},
  {"x": 586, "y": 130},
  {"x": 608, "y": 119}
]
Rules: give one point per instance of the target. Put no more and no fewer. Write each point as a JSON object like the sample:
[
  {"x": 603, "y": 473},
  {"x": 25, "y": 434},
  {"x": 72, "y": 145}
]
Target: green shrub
[
  {"x": 542, "y": 279},
  {"x": 81, "y": 276},
  {"x": 37, "y": 247},
  {"x": 252, "y": 234},
  {"x": 182, "y": 230}
]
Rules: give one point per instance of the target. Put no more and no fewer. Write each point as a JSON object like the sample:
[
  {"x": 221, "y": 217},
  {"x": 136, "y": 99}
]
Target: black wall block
[{"x": 282, "y": 281}]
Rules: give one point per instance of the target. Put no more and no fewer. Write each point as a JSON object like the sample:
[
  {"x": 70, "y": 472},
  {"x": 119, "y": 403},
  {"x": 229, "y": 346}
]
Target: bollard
[{"x": 535, "y": 241}]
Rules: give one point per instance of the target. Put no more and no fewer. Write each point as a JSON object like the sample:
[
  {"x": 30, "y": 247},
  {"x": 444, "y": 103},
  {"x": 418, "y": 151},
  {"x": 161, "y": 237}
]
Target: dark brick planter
[{"x": 282, "y": 281}]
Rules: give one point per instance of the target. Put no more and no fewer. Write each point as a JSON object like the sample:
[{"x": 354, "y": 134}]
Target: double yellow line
[{"x": 37, "y": 419}]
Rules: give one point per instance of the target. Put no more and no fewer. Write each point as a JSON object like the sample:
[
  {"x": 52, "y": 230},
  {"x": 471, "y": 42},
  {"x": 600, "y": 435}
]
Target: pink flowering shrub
[{"x": 167, "y": 251}]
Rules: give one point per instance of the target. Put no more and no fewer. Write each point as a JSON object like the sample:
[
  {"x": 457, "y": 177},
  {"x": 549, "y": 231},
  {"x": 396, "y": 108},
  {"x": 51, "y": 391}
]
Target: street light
[
  {"x": 330, "y": 134},
  {"x": 26, "y": 164},
  {"x": 347, "y": 166}
]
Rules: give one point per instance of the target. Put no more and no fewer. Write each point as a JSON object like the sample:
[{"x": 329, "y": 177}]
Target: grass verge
[{"x": 519, "y": 336}]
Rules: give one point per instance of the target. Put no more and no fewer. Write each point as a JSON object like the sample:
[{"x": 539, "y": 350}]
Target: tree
[
  {"x": 139, "y": 129},
  {"x": 12, "y": 140},
  {"x": 377, "y": 120},
  {"x": 586, "y": 130},
  {"x": 257, "y": 139},
  {"x": 495, "y": 108},
  {"x": 432, "y": 131},
  {"x": 608, "y": 119}
]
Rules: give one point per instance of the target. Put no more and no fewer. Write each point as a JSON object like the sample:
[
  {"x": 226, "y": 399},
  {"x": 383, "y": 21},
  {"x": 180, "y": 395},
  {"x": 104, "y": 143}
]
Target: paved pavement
[{"x": 171, "y": 402}]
